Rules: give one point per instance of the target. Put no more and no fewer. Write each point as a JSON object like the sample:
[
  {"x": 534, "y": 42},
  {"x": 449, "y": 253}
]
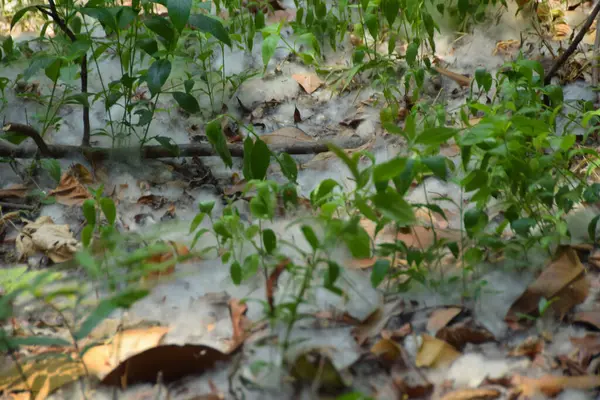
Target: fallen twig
[
  {"x": 4, "y": 204},
  {"x": 569, "y": 51},
  {"x": 596, "y": 59}
]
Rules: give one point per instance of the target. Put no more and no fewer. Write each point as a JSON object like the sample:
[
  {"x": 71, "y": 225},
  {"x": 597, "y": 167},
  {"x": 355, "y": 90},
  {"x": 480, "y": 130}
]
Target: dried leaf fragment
[
  {"x": 472, "y": 394},
  {"x": 286, "y": 136},
  {"x": 309, "y": 82},
  {"x": 435, "y": 353},
  {"x": 71, "y": 190},
  {"x": 552, "y": 385},
  {"x": 56, "y": 241},
  {"x": 441, "y": 317}
]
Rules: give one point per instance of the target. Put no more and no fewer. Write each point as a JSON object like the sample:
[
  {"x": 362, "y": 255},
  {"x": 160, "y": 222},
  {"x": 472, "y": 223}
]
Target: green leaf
[
  {"x": 380, "y": 270},
  {"x": 260, "y": 159},
  {"x": 235, "y": 271},
  {"x": 89, "y": 211},
  {"x": 411, "y": 53},
  {"x": 210, "y": 25},
  {"x": 389, "y": 169},
  {"x": 322, "y": 191},
  {"x": 149, "y": 45},
  {"x": 197, "y": 221},
  {"x": 358, "y": 241},
  {"x": 162, "y": 27},
  {"x": 332, "y": 274},
  {"x": 19, "y": 14},
  {"x": 221, "y": 230},
  {"x": 437, "y": 165},
  {"x": 592, "y": 228},
  {"x": 475, "y": 221},
  {"x": 109, "y": 210},
  {"x": 13, "y": 343},
  {"x": 483, "y": 78},
  {"x": 217, "y": 139},
  {"x": 352, "y": 164},
  {"x": 206, "y": 206},
  {"x": 53, "y": 167},
  {"x": 522, "y": 226},
  {"x": 372, "y": 23},
  {"x": 269, "y": 240},
  {"x": 86, "y": 235},
  {"x": 310, "y": 236},
  {"x": 106, "y": 307},
  {"x": 247, "y": 168},
  {"x": 158, "y": 73},
  {"x": 393, "y": 206},
  {"x": 179, "y": 12},
  {"x": 102, "y": 15},
  {"x": 198, "y": 236},
  {"x": 187, "y": 102},
  {"x": 269, "y": 45},
  {"x": 288, "y": 166},
  {"x": 390, "y": 10},
  {"x": 435, "y": 136},
  {"x": 168, "y": 144}
]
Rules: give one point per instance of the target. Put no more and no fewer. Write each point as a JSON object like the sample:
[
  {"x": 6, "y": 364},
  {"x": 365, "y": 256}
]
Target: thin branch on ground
[
  {"x": 53, "y": 13},
  {"x": 596, "y": 59},
  {"x": 147, "y": 152},
  {"x": 571, "y": 49}
]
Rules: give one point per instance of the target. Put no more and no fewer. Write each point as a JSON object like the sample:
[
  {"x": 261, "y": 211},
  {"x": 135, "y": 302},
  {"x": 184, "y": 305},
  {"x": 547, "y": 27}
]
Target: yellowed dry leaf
[
  {"x": 435, "y": 353},
  {"x": 309, "y": 82},
  {"x": 552, "y": 385},
  {"x": 287, "y": 136},
  {"x": 561, "y": 32},
  {"x": 101, "y": 360},
  {"x": 56, "y": 241},
  {"x": 387, "y": 349},
  {"x": 472, "y": 394},
  {"x": 441, "y": 317}
]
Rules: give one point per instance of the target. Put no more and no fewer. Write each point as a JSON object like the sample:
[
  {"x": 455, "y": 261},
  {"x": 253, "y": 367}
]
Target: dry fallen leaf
[
  {"x": 435, "y": 353},
  {"x": 56, "y": 241},
  {"x": 441, "y": 317},
  {"x": 377, "y": 321},
  {"x": 564, "y": 279},
  {"x": 552, "y": 385},
  {"x": 458, "y": 335},
  {"x": 309, "y": 82},
  {"x": 387, "y": 350},
  {"x": 286, "y": 136},
  {"x": 70, "y": 190},
  {"x": 591, "y": 318},
  {"x": 18, "y": 191},
  {"x": 458, "y": 78},
  {"x": 472, "y": 394}
]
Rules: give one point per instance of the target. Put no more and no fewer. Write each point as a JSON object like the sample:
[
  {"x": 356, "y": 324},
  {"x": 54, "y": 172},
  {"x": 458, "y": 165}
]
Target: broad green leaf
[
  {"x": 158, "y": 73},
  {"x": 52, "y": 166},
  {"x": 86, "y": 235},
  {"x": 437, "y": 165},
  {"x": 310, "y": 236},
  {"x": 217, "y": 139},
  {"x": 187, "y": 102},
  {"x": 475, "y": 221},
  {"x": 411, "y": 53},
  {"x": 358, "y": 242},
  {"x": 484, "y": 79},
  {"x": 235, "y": 271},
  {"x": 260, "y": 159},
  {"x": 435, "y": 136},
  {"x": 162, "y": 27},
  {"x": 390, "y": 10},
  {"x": 389, "y": 169},
  {"x": 322, "y": 191},
  {"x": 247, "y": 168},
  {"x": 269, "y": 45},
  {"x": 380, "y": 270},
  {"x": 179, "y": 12},
  {"x": 393, "y": 206},
  {"x": 210, "y": 25},
  {"x": 89, "y": 211},
  {"x": 197, "y": 221},
  {"x": 19, "y": 14},
  {"x": 102, "y": 15},
  {"x": 522, "y": 226},
  {"x": 269, "y": 240},
  {"x": 288, "y": 166},
  {"x": 109, "y": 210},
  {"x": 206, "y": 206},
  {"x": 592, "y": 228}
]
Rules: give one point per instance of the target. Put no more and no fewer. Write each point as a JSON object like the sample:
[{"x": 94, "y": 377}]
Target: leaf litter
[{"x": 206, "y": 329}]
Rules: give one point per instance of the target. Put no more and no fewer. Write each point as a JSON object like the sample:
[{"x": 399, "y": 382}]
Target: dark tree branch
[
  {"x": 53, "y": 13},
  {"x": 185, "y": 150},
  {"x": 569, "y": 51},
  {"x": 26, "y": 130}
]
